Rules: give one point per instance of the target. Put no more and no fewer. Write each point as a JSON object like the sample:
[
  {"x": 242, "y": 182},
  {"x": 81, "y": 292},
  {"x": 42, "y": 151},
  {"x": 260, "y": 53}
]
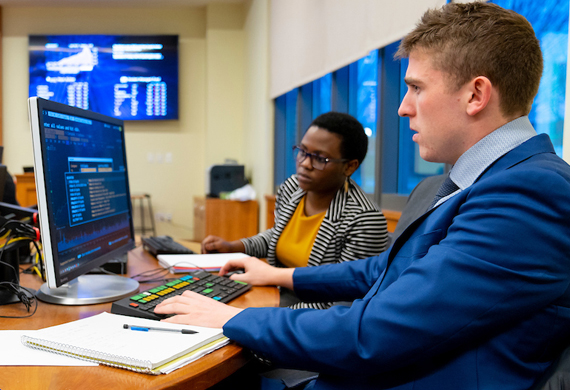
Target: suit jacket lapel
[{"x": 536, "y": 145}]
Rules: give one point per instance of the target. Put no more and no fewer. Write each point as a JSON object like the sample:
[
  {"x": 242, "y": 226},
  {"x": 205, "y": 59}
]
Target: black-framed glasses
[{"x": 317, "y": 161}]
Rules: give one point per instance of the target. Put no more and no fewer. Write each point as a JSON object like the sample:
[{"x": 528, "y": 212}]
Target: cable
[
  {"x": 162, "y": 270},
  {"x": 16, "y": 274},
  {"x": 26, "y": 296},
  {"x": 152, "y": 273},
  {"x": 39, "y": 265},
  {"x": 16, "y": 231},
  {"x": 20, "y": 228}
]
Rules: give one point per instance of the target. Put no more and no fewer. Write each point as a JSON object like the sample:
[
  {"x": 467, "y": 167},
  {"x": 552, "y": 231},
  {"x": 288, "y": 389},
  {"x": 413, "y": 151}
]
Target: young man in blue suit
[{"x": 475, "y": 293}]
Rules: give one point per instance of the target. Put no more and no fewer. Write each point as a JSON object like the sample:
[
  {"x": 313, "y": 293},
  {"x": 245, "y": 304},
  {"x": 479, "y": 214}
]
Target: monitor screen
[
  {"x": 127, "y": 77},
  {"x": 82, "y": 184}
]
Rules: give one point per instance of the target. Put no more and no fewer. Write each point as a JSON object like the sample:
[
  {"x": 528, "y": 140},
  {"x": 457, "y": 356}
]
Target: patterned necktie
[{"x": 448, "y": 187}]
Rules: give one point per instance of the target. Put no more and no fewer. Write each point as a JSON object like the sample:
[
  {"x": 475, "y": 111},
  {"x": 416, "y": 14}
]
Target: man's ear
[
  {"x": 480, "y": 90},
  {"x": 350, "y": 167}
]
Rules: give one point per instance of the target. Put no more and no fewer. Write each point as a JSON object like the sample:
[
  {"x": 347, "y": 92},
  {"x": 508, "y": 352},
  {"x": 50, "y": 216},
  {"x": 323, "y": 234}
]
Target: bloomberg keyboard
[
  {"x": 217, "y": 287},
  {"x": 164, "y": 245}
]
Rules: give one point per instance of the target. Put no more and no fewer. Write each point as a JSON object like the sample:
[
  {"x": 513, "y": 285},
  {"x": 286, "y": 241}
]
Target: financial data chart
[
  {"x": 127, "y": 77},
  {"x": 85, "y": 160}
]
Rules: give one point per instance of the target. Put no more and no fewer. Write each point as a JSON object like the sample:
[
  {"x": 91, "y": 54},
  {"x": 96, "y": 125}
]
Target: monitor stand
[{"x": 89, "y": 290}]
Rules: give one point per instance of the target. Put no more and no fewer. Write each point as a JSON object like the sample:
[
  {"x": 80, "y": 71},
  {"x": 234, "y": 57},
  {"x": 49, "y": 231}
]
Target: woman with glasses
[{"x": 321, "y": 215}]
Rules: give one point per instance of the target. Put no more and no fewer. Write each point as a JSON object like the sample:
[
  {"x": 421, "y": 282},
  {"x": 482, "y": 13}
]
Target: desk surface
[{"x": 200, "y": 374}]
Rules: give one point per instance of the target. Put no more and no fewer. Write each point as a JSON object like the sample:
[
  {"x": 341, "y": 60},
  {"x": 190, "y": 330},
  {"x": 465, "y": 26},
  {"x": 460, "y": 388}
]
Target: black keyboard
[
  {"x": 164, "y": 245},
  {"x": 217, "y": 287}
]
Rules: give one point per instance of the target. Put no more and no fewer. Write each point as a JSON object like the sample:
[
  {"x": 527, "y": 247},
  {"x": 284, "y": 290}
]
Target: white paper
[
  {"x": 20, "y": 355},
  {"x": 210, "y": 261},
  {"x": 104, "y": 334}
]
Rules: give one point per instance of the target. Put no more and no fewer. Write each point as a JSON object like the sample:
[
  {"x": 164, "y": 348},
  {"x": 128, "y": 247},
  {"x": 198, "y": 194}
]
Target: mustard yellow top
[{"x": 296, "y": 241}]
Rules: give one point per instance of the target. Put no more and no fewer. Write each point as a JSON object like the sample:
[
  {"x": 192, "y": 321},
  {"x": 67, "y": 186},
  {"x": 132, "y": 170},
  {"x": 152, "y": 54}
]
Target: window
[
  {"x": 294, "y": 112},
  {"x": 549, "y": 18},
  {"x": 372, "y": 88},
  {"x": 392, "y": 166},
  {"x": 363, "y": 104},
  {"x": 286, "y": 136},
  {"x": 322, "y": 99},
  {"x": 401, "y": 165},
  {"x": 411, "y": 167}
]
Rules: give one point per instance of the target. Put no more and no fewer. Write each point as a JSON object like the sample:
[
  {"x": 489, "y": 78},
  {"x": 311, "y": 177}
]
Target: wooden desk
[
  {"x": 200, "y": 374},
  {"x": 26, "y": 189}
]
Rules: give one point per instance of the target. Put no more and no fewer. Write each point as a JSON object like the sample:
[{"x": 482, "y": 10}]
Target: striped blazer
[{"x": 353, "y": 228}]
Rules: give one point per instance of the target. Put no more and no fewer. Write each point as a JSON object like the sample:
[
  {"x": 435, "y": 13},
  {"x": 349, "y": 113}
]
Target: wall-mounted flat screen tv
[{"x": 131, "y": 77}]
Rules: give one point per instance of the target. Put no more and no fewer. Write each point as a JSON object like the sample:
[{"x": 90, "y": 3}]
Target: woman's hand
[
  {"x": 259, "y": 273},
  {"x": 213, "y": 244},
  {"x": 195, "y": 309}
]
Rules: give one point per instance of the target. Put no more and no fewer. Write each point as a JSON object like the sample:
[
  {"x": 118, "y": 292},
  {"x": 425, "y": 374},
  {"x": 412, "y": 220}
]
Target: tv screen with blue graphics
[{"x": 127, "y": 77}]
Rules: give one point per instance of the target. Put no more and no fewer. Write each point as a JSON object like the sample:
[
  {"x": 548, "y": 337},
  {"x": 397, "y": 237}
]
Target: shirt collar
[{"x": 480, "y": 156}]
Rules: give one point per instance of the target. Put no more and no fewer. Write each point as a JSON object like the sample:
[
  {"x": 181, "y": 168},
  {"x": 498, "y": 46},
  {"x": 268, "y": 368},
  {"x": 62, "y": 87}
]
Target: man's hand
[
  {"x": 259, "y": 273},
  {"x": 213, "y": 244},
  {"x": 195, "y": 309}
]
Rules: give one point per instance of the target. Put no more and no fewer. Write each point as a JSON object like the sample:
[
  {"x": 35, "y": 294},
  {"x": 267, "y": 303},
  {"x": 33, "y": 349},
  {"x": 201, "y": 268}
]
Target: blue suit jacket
[{"x": 473, "y": 295}]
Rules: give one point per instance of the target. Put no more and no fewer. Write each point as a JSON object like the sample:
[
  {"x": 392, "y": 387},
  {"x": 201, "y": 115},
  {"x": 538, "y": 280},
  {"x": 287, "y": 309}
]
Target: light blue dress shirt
[{"x": 480, "y": 156}]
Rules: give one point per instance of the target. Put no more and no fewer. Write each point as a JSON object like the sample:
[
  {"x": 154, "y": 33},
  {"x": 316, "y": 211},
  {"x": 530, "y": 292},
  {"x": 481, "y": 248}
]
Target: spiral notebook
[{"x": 103, "y": 339}]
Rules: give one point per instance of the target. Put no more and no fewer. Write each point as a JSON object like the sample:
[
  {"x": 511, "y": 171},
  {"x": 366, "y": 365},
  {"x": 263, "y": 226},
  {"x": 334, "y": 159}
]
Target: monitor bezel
[{"x": 51, "y": 259}]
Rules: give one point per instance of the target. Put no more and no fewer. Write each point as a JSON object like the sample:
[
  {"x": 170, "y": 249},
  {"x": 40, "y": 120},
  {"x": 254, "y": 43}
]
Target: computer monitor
[{"x": 84, "y": 203}]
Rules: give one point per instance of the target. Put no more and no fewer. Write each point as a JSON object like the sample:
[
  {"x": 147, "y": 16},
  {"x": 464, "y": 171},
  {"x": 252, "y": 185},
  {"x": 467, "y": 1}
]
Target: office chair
[{"x": 557, "y": 376}]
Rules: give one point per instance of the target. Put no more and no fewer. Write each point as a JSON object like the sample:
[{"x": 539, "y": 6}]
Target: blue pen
[{"x": 149, "y": 328}]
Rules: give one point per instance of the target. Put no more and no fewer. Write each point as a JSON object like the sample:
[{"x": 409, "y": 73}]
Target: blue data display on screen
[
  {"x": 85, "y": 170},
  {"x": 128, "y": 77}
]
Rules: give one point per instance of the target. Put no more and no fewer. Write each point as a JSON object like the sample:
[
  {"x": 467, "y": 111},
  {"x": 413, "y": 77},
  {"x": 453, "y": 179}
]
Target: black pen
[{"x": 149, "y": 328}]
